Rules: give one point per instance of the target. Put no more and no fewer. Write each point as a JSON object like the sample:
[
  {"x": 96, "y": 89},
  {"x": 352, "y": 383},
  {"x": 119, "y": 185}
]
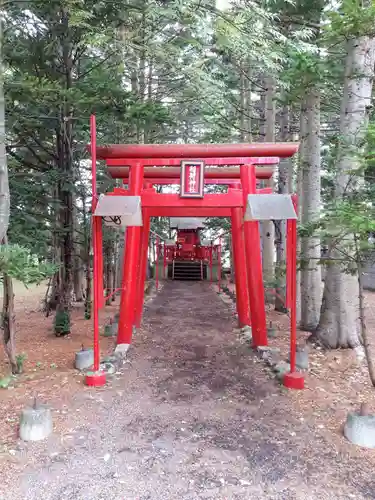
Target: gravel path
[{"x": 192, "y": 415}]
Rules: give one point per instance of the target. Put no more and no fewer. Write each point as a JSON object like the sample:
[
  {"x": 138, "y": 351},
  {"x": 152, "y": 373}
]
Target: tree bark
[
  {"x": 247, "y": 102},
  {"x": 120, "y": 258},
  {"x": 242, "y": 106},
  {"x": 4, "y": 181},
  {"x": 142, "y": 73},
  {"x": 52, "y": 297},
  {"x": 130, "y": 61},
  {"x": 109, "y": 270},
  {"x": 283, "y": 185},
  {"x": 88, "y": 298},
  {"x": 8, "y": 320},
  {"x": 267, "y": 227},
  {"x": 311, "y": 278},
  {"x": 115, "y": 266},
  {"x": 301, "y": 158},
  {"x": 87, "y": 263},
  {"x": 64, "y": 137},
  {"x": 362, "y": 318},
  {"x": 9, "y": 326},
  {"x": 78, "y": 277},
  {"x": 339, "y": 318},
  {"x": 148, "y": 130}
]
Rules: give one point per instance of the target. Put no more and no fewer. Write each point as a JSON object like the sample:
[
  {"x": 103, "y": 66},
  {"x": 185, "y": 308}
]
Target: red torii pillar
[
  {"x": 131, "y": 263},
  {"x": 145, "y": 235},
  {"x": 97, "y": 377},
  {"x": 254, "y": 263},
  {"x": 239, "y": 260}
]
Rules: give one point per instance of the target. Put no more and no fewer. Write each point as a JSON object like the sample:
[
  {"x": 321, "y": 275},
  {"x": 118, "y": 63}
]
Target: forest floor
[{"x": 192, "y": 414}]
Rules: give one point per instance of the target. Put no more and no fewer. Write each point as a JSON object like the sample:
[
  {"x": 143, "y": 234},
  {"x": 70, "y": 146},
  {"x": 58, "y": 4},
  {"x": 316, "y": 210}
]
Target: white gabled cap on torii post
[
  {"x": 269, "y": 207},
  {"x": 119, "y": 211}
]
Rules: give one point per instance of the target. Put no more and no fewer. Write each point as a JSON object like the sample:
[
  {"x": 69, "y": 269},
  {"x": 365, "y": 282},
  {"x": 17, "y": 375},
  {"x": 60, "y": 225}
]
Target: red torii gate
[{"x": 139, "y": 167}]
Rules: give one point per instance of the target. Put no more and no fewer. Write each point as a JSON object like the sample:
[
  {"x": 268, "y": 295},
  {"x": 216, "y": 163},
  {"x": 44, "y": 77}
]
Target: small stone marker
[
  {"x": 359, "y": 428},
  {"x": 110, "y": 330},
  {"x": 35, "y": 423},
  {"x": 302, "y": 358},
  {"x": 84, "y": 359},
  {"x": 107, "y": 331},
  {"x": 271, "y": 332}
]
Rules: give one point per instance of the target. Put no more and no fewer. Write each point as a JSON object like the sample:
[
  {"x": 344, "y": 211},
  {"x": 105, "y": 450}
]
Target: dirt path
[{"x": 192, "y": 415}]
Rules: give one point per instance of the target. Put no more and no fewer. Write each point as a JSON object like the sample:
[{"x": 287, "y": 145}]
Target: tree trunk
[
  {"x": 109, "y": 270},
  {"x": 300, "y": 194},
  {"x": 65, "y": 292},
  {"x": 87, "y": 262},
  {"x": 283, "y": 184},
  {"x": 339, "y": 318},
  {"x": 115, "y": 267},
  {"x": 9, "y": 326},
  {"x": 52, "y": 297},
  {"x": 247, "y": 102},
  {"x": 120, "y": 258},
  {"x": 130, "y": 61},
  {"x": 142, "y": 72},
  {"x": 153, "y": 250},
  {"x": 4, "y": 181},
  {"x": 85, "y": 252},
  {"x": 88, "y": 298},
  {"x": 8, "y": 320},
  {"x": 78, "y": 277},
  {"x": 64, "y": 137},
  {"x": 148, "y": 131},
  {"x": 267, "y": 227},
  {"x": 242, "y": 105},
  {"x": 362, "y": 319},
  {"x": 311, "y": 278}
]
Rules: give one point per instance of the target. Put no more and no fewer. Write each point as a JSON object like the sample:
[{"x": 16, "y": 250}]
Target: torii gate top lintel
[{"x": 188, "y": 151}]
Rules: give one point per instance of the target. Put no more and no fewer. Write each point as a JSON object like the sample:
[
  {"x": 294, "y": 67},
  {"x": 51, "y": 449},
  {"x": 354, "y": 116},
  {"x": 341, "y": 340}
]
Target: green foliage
[
  {"x": 161, "y": 226},
  {"x": 107, "y": 331},
  {"x": 309, "y": 229},
  {"x": 18, "y": 263},
  {"x": 88, "y": 307},
  {"x": 62, "y": 323},
  {"x": 38, "y": 95},
  {"x": 353, "y": 19},
  {"x": 345, "y": 227},
  {"x": 20, "y": 360},
  {"x": 5, "y": 382}
]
